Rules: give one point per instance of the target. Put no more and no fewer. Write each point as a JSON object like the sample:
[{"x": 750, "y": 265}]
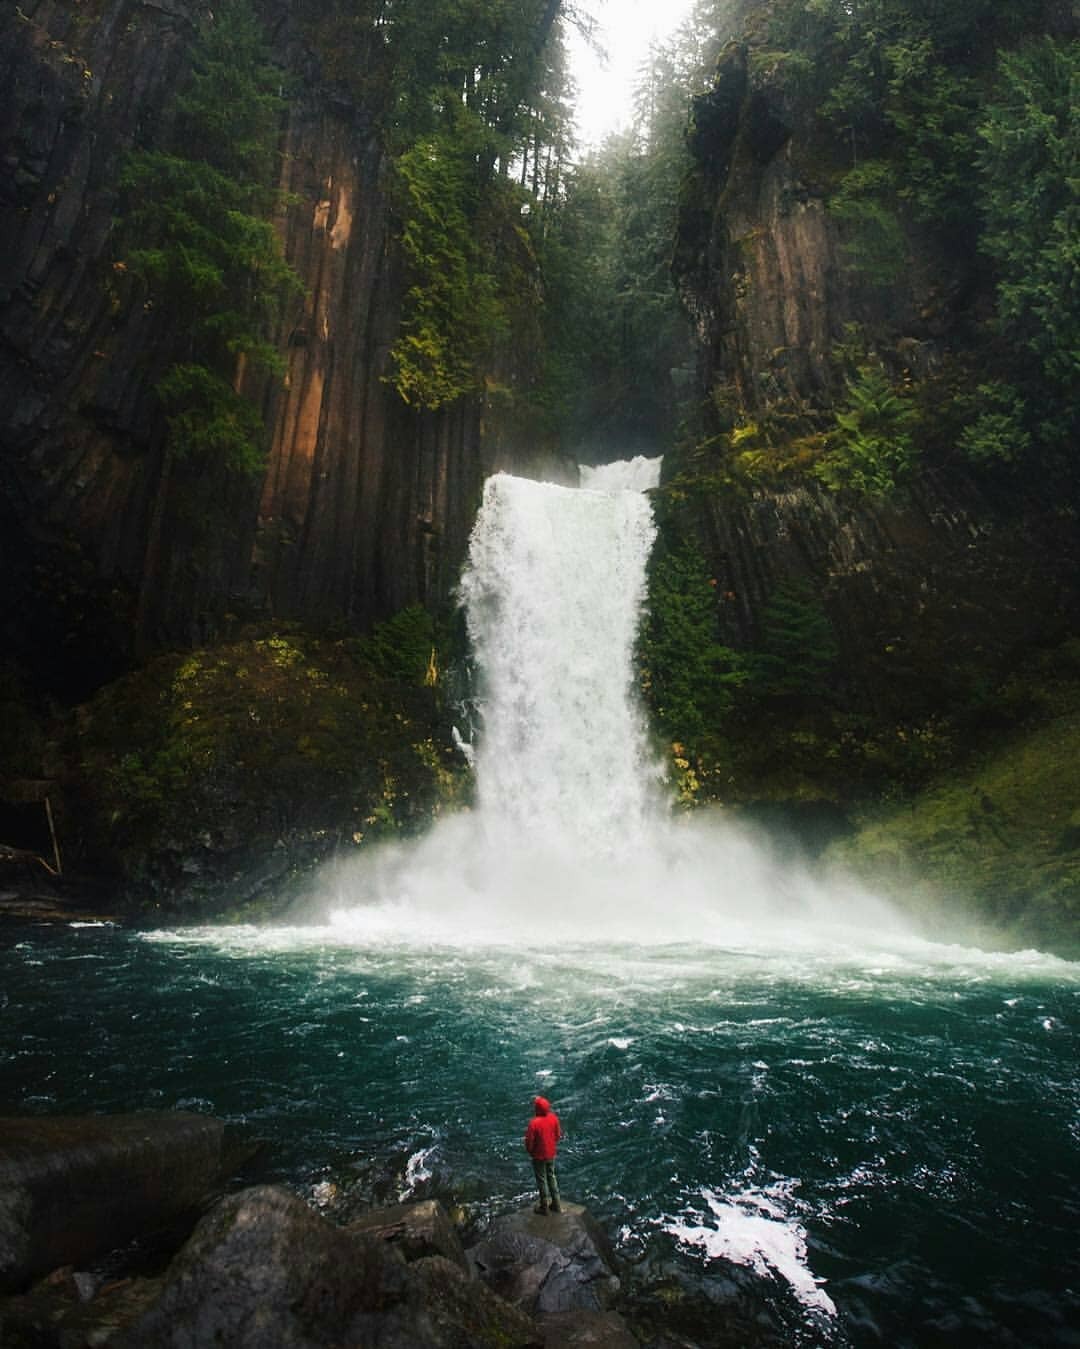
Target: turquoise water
[{"x": 885, "y": 1136}]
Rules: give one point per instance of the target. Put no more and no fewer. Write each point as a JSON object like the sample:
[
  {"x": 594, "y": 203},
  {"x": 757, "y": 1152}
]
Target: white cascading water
[
  {"x": 553, "y": 594},
  {"x": 571, "y": 837}
]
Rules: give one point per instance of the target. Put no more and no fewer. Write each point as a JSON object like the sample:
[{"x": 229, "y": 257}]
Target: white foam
[
  {"x": 553, "y": 592},
  {"x": 753, "y": 1229},
  {"x": 625, "y": 475},
  {"x": 416, "y": 1168}
]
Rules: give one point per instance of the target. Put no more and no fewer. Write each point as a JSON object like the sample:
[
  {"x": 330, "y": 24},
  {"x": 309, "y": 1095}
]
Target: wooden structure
[{"x": 29, "y": 792}]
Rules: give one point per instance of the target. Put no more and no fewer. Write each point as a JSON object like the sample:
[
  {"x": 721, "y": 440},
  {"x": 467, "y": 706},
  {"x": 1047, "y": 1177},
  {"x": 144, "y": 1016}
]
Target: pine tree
[
  {"x": 797, "y": 648},
  {"x": 198, "y": 217}
]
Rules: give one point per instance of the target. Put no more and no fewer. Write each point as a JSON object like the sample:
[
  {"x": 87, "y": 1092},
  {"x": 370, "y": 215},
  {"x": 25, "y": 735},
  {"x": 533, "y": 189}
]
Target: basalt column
[{"x": 110, "y": 545}]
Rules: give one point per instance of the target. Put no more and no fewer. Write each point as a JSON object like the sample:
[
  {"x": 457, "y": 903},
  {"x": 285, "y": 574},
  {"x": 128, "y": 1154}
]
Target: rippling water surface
[{"x": 887, "y": 1136}]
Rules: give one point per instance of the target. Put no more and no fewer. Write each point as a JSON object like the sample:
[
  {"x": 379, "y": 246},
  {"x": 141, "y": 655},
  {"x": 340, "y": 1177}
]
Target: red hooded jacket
[{"x": 543, "y": 1134}]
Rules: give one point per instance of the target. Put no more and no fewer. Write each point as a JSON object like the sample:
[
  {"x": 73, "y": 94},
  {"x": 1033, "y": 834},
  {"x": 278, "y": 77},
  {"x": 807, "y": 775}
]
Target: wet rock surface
[
  {"x": 262, "y": 1268},
  {"x": 558, "y": 1262},
  {"x": 416, "y": 1230},
  {"x": 72, "y": 1188}
]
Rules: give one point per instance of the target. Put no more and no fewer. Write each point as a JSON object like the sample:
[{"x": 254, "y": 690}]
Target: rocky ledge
[
  {"x": 74, "y": 1187},
  {"x": 261, "y": 1269}
]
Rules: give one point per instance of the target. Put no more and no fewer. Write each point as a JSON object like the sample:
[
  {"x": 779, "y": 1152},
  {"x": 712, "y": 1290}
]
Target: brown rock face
[
  {"x": 943, "y": 585},
  {"x": 926, "y": 593},
  {"x": 759, "y": 258},
  {"x": 108, "y": 546}
]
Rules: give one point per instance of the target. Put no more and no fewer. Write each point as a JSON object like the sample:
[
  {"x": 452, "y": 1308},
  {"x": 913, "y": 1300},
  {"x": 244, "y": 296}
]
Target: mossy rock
[
  {"x": 213, "y": 776},
  {"x": 997, "y": 844}
]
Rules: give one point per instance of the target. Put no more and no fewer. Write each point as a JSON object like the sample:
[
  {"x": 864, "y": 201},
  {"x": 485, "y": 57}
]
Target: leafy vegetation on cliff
[
  {"x": 940, "y": 138},
  {"x": 478, "y": 122}
]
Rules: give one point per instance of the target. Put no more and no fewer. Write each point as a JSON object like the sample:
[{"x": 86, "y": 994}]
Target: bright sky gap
[{"x": 627, "y": 30}]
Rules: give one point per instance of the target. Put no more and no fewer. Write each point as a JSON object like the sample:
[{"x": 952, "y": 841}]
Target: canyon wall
[
  {"x": 109, "y": 546},
  {"x": 760, "y": 260},
  {"x": 931, "y": 589}
]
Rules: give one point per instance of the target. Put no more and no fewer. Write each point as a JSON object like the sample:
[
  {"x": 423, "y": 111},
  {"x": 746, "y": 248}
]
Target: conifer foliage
[
  {"x": 478, "y": 129},
  {"x": 1030, "y": 161},
  {"x": 197, "y": 220}
]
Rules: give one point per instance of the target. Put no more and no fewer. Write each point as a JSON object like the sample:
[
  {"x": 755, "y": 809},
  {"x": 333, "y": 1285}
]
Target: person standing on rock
[{"x": 541, "y": 1143}]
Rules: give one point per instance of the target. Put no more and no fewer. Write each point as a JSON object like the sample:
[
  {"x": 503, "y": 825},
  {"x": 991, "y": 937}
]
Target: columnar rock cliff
[
  {"x": 956, "y": 565},
  {"x": 107, "y": 544},
  {"x": 759, "y": 257}
]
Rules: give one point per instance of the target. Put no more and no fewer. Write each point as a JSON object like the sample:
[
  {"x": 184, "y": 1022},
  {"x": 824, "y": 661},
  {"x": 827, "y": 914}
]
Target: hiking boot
[
  {"x": 556, "y": 1207},
  {"x": 540, "y": 1208}
]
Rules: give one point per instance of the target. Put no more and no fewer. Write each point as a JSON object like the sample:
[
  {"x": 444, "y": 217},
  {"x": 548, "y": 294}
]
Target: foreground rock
[
  {"x": 69, "y": 1311},
  {"x": 592, "y": 1330},
  {"x": 416, "y": 1230},
  {"x": 559, "y": 1262},
  {"x": 74, "y": 1188},
  {"x": 263, "y": 1270}
]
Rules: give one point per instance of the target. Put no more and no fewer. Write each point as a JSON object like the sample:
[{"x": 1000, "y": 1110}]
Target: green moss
[
  {"x": 200, "y": 765},
  {"x": 402, "y": 649},
  {"x": 1000, "y": 838}
]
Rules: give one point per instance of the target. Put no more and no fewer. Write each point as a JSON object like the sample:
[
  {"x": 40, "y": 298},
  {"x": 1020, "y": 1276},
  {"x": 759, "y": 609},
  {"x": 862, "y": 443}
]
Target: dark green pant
[{"x": 546, "y": 1183}]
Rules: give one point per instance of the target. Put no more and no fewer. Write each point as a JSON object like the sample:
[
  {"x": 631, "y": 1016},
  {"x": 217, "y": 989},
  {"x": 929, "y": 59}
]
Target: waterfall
[
  {"x": 553, "y": 594},
  {"x": 572, "y": 836}
]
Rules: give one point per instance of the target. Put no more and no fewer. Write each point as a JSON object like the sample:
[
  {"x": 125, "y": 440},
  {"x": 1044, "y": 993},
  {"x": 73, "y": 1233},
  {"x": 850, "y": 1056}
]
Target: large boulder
[
  {"x": 558, "y": 1262},
  {"x": 263, "y": 1271},
  {"x": 464, "y": 1314},
  {"x": 416, "y": 1230},
  {"x": 75, "y": 1187}
]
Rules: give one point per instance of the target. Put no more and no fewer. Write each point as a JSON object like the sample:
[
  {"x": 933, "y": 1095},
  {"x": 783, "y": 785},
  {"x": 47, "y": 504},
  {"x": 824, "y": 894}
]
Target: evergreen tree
[
  {"x": 1030, "y": 162},
  {"x": 797, "y": 649},
  {"x": 479, "y": 129},
  {"x": 204, "y": 244},
  {"x": 689, "y": 677}
]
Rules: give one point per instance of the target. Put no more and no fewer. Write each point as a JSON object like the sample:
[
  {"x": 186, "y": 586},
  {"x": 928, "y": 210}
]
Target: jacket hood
[{"x": 542, "y": 1105}]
